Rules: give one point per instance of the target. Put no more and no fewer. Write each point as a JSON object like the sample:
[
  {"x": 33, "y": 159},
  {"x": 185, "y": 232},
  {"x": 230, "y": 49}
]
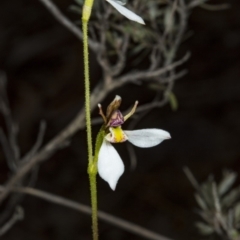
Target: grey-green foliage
[
  {"x": 125, "y": 46},
  {"x": 219, "y": 205},
  {"x": 155, "y": 43},
  {"x": 160, "y": 16}
]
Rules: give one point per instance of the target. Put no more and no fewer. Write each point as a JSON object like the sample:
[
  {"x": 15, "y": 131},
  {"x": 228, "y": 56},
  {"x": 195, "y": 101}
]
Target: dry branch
[
  {"x": 66, "y": 22},
  {"x": 128, "y": 226}
]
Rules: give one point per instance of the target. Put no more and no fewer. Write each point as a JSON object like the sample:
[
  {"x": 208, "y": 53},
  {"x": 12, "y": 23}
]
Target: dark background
[{"x": 43, "y": 62}]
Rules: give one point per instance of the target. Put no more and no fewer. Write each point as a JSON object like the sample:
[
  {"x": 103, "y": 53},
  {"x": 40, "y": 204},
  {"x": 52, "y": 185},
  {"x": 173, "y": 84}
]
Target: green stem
[
  {"x": 87, "y": 90},
  {"x": 92, "y": 165},
  {"x": 92, "y": 171},
  {"x": 93, "y": 188}
]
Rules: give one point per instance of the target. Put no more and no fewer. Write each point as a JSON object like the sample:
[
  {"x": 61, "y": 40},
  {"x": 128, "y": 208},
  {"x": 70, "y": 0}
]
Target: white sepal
[
  {"x": 147, "y": 137},
  {"x": 125, "y": 12},
  {"x": 110, "y": 165}
]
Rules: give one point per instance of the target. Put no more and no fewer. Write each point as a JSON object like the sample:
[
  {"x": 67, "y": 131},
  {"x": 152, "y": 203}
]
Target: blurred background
[{"x": 43, "y": 64}]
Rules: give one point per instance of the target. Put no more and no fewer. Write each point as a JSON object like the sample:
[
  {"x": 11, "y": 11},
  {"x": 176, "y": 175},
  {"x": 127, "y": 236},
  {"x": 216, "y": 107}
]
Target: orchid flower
[
  {"x": 125, "y": 12},
  {"x": 110, "y": 164}
]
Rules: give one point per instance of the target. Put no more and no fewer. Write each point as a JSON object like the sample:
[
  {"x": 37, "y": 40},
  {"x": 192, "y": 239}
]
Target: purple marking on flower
[{"x": 116, "y": 119}]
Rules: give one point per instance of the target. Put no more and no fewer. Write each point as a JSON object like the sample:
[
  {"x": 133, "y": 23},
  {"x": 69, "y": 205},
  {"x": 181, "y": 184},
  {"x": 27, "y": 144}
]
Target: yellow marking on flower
[{"x": 116, "y": 135}]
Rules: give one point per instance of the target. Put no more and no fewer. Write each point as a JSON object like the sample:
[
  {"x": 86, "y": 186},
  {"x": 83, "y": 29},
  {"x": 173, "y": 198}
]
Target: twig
[
  {"x": 154, "y": 58},
  {"x": 174, "y": 77},
  {"x": 182, "y": 9},
  {"x": 7, "y": 151},
  {"x": 131, "y": 227},
  {"x": 192, "y": 179},
  {"x": 17, "y": 216},
  {"x": 37, "y": 144},
  {"x": 196, "y": 3},
  {"x": 67, "y": 23},
  {"x": 133, "y": 77},
  {"x": 119, "y": 66},
  {"x": 216, "y": 7},
  {"x": 151, "y": 105},
  {"x": 57, "y": 142},
  {"x": 45, "y": 153},
  {"x": 12, "y": 129}
]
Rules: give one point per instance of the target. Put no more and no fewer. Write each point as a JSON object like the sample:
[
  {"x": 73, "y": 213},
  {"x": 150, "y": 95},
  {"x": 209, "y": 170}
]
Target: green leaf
[
  {"x": 110, "y": 38},
  {"x": 207, "y": 192},
  {"x": 156, "y": 87},
  {"x": 227, "y": 183},
  {"x": 231, "y": 198},
  {"x": 173, "y": 101},
  {"x": 79, "y": 2},
  {"x": 215, "y": 7},
  {"x": 200, "y": 202},
  {"x": 237, "y": 213},
  {"x": 137, "y": 49},
  {"x": 75, "y": 9},
  {"x": 204, "y": 228},
  {"x": 234, "y": 234}
]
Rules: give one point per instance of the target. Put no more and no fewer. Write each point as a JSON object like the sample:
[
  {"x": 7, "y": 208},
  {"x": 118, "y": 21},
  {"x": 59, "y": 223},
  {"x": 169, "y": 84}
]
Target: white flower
[
  {"x": 125, "y": 12},
  {"x": 110, "y": 164}
]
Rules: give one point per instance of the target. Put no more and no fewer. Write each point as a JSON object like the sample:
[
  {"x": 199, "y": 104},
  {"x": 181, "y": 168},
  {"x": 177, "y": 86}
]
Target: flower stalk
[{"x": 92, "y": 166}]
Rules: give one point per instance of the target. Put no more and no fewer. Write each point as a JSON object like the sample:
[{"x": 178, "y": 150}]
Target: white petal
[
  {"x": 125, "y": 12},
  {"x": 110, "y": 165},
  {"x": 145, "y": 138}
]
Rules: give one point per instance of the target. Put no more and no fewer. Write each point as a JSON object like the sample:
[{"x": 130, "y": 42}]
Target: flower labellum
[
  {"x": 125, "y": 12},
  {"x": 116, "y": 135},
  {"x": 110, "y": 164}
]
